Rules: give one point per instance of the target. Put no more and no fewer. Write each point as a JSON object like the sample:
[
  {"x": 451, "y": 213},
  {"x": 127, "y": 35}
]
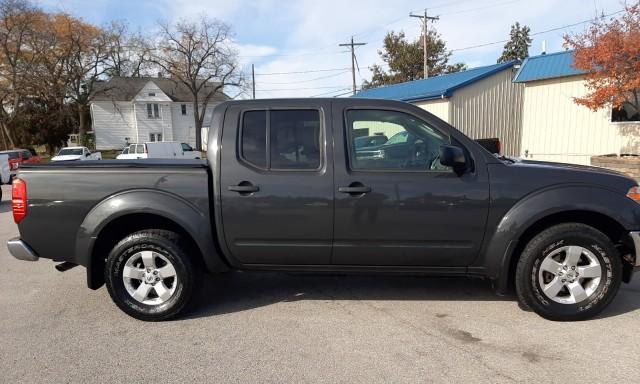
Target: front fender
[
  {"x": 195, "y": 222},
  {"x": 502, "y": 243}
]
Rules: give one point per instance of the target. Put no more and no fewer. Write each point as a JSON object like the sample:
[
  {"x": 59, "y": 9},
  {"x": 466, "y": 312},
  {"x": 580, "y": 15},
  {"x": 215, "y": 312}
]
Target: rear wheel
[
  {"x": 568, "y": 272},
  {"x": 150, "y": 275}
]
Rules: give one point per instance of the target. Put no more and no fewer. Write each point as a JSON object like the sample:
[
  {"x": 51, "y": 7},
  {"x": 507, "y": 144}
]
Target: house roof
[
  {"x": 126, "y": 88},
  {"x": 548, "y": 66},
  {"x": 434, "y": 87}
]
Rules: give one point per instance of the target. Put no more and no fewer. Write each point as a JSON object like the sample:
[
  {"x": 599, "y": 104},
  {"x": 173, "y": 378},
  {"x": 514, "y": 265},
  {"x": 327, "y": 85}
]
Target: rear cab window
[{"x": 286, "y": 139}]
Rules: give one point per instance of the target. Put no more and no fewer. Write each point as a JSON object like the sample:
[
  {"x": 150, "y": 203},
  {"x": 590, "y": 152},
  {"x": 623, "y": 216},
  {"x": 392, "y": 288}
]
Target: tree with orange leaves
[{"x": 609, "y": 51}]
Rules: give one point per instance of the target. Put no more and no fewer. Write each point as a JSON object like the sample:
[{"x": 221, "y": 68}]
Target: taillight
[{"x": 19, "y": 200}]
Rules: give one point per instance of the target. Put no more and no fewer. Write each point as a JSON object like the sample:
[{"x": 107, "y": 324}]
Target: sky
[{"x": 294, "y": 44}]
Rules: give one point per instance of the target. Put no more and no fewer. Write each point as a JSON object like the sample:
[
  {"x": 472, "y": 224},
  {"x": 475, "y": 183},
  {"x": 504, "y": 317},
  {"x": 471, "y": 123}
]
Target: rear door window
[{"x": 282, "y": 139}]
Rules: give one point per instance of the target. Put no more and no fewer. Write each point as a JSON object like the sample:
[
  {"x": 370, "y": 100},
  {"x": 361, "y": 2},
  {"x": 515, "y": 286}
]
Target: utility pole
[
  {"x": 253, "y": 81},
  {"x": 353, "y": 60},
  {"x": 425, "y": 20}
]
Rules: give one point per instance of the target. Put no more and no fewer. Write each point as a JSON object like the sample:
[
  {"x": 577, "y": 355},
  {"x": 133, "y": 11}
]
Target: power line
[
  {"x": 532, "y": 34},
  {"x": 297, "y": 72},
  {"x": 306, "y": 81},
  {"x": 360, "y": 34},
  {"x": 337, "y": 90},
  {"x": 481, "y": 8},
  {"x": 298, "y": 89}
]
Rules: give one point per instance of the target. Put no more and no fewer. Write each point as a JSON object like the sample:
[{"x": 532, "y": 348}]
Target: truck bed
[{"x": 62, "y": 196}]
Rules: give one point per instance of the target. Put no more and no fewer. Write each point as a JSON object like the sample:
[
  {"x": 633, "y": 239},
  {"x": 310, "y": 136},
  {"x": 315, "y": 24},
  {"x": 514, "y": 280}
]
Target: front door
[
  {"x": 277, "y": 184},
  {"x": 395, "y": 204}
]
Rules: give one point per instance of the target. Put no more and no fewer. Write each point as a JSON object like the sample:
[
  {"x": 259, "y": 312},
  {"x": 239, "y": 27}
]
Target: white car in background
[
  {"x": 76, "y": 153},
  {"x": 159, "y": 150}
]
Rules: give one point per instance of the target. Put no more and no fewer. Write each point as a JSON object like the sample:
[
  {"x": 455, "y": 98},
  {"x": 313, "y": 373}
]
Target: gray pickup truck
[{"x": 285, "y": 188}]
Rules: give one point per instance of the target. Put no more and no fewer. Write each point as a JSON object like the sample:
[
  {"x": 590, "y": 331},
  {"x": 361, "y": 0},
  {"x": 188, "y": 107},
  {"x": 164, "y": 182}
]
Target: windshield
[{"x": 70, "y": 151}]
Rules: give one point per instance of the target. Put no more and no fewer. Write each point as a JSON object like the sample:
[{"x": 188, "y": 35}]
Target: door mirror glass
[{"x": 452, "y": 156}]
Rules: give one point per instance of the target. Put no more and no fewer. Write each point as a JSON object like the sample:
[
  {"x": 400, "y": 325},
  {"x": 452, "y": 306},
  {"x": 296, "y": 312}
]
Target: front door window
[{"x": 412, "y": 144}]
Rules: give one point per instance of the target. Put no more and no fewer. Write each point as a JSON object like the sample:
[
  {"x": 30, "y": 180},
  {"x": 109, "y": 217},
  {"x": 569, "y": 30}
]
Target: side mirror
[
  {"x": 452, "y": 156},
  {"x": 87, "y": 155}
]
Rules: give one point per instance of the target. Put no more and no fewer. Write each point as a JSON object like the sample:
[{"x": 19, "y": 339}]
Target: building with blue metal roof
[
  {"x": 554, "y": 126},
  {"x": 482, "y": 102},
  {"x": 548, "y": 66},
  {"x": 438, "y": 87}
]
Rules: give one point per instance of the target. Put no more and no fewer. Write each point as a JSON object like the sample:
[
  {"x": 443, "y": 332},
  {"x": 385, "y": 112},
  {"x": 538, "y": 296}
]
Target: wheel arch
[
  {"x": 611, "y": 213},
  {"x": 130, "y": 211},
  {"x": 605, "y": 224}
]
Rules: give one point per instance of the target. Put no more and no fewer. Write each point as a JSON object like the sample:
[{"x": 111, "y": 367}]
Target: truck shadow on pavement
[{"x": 240, "y": 291}]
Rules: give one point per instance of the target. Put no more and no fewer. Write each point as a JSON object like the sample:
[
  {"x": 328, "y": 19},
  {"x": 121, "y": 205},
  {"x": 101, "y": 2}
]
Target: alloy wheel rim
[
  {"x": 149, "y": 277},
  {"x": 570, "y": 274}
]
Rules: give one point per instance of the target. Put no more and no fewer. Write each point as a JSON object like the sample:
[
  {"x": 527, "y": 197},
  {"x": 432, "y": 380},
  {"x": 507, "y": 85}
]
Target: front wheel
[
  {"x": 150, "y": 275},
  {"x": 568, "y": 272}
]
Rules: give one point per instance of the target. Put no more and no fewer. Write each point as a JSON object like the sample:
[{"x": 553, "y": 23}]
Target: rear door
[
  {"x": 277, "y": 183},
  {"x": 395, "y": 204}
]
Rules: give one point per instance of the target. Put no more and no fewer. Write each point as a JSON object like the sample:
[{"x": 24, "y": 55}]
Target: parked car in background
[
  {"x": 76, "y": 153},
  {"x": 21, "y": 156},
  {"x": 159, "y": 150}
]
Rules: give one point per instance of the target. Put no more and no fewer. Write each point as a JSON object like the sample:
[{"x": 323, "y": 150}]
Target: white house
[
  {"x": 555, "y": 128},
  {"x": 140, "y": 109},
  {"x": 482, "y": 102}
]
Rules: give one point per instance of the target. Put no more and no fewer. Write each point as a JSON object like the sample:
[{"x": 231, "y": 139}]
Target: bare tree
[
  {"x": 129, "y": 54},
  {"x": 200, "y": 56}
]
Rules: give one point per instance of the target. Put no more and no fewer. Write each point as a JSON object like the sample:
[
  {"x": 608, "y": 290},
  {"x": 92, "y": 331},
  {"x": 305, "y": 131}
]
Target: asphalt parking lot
[{"x": 269, "y": 327}]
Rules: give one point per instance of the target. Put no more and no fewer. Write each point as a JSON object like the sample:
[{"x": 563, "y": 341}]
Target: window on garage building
[
  {"x": 293, "y": 139},
  {"x": 155, "y": 137},
  {"x": 183, "y": 107},
  {"x": 627, "y": 112}
]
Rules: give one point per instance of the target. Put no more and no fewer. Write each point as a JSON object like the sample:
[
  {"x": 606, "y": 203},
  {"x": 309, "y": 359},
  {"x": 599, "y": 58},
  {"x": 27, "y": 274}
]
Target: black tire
[
  {"x": 558, "y": 237},
  {"x": 169, "y": 245}
]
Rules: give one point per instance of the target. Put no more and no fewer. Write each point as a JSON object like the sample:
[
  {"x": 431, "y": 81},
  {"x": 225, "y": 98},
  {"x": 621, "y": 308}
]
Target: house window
[
  {"x": 293, "y": 139},
  {"x": 627, "y": 112},
  {"x": 184, "y": 109},
  {"x": 153, "y": 111},
  {"x": 153, "y": 137},
  {"x": 152, "y": 94}
]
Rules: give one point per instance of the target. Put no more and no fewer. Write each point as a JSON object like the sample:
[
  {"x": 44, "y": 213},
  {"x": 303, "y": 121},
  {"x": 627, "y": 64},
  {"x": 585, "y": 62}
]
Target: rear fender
[{"x": 169, "y": 206}]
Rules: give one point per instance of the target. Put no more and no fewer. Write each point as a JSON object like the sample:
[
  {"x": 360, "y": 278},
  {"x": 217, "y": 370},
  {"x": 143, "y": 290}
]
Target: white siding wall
[
  {"x": 112, "y": 123},
  {"x": 151, "y": 93},
  {"x": 146, "y": 125},
  {"x": 183, "y": 130},
  {"x": 440, "y": 108},
  {"x": 183, "y": 125},
  {"x": 557, "y": 129},
  {"x": 491, "y": 107}
]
